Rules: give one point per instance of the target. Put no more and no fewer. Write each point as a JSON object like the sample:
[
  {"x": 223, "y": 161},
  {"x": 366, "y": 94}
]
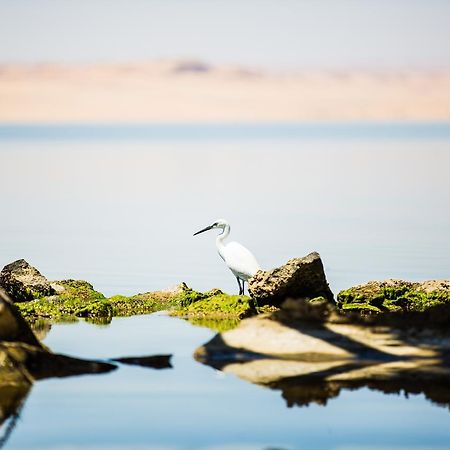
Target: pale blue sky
[{"x": 271, "y": 33}]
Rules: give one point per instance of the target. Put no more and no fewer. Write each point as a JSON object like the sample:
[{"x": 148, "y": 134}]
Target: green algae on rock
[
  {"x": 394, "y": 296},
  {"x": 213, "y": 305},
  {"x": 67, "y": 307},
  {"x": 79, "y": 299},
  {"x": 145, "y": 303}
]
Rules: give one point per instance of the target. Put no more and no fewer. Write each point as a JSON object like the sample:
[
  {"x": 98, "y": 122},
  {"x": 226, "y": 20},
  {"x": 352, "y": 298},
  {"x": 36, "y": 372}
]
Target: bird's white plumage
[{"x": 238, "y": 259}]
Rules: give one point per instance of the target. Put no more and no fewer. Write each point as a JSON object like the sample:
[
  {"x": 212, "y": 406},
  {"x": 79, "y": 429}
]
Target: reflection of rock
[
  {"x": 20, "y": 349},
  {"x": 312, "y": 357},
  {"x": 11, "y": 399},
  {"x": 35, "y": 363},
  {"x": 24, "y": 360},
  {"x": 41, "y": 328},
  {"x": 21, "y": 364},
  {"x": 305, "y": 382},
  {"x": 23, "y": 282},
  {"x": 298, "y": 278},
  {"x": 154, "y": 361}
]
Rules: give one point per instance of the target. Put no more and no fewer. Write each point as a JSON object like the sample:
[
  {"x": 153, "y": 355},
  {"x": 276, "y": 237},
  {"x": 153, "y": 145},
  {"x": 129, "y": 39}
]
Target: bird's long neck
[{"x": 221, "y": 237}]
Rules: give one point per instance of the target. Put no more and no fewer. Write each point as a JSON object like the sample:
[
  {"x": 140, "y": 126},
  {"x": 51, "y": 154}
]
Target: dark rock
[
  {"x": 298, "y": 278},
  {"x": 22, "y": 348},
  {"x": 154, "y": 361},
  {"x": 13, "y": 327},
  {"x": 23, "y": 282}
]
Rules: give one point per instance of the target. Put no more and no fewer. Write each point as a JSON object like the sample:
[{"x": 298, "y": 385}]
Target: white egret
[{"x": 238, "y": 259}]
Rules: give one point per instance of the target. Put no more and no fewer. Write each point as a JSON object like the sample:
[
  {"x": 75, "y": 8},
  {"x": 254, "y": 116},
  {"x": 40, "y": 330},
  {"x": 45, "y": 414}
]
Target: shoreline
[{"x": 186, "y": 92}]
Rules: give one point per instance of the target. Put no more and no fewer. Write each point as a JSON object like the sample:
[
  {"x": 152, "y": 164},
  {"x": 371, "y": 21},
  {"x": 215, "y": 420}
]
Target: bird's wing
[{"x": 240, "y": 260}]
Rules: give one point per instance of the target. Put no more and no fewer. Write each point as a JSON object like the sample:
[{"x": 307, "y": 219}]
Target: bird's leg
[
  {"x": 243, "y": 287},
  {"x": 239, "y": 283}
]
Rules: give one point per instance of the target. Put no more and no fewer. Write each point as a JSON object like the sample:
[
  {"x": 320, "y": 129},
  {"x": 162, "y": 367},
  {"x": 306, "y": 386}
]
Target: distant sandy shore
[{"x": 193, "y": 92}]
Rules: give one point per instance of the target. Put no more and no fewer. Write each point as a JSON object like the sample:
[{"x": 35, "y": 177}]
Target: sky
[{"x": 286, "y": 34}]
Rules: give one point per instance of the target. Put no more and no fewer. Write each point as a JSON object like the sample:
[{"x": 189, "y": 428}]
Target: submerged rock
[
  {"x": 298, "y": 278},
  {"x": 397, "y": 296},
  {"x": 23, "y": 282}
]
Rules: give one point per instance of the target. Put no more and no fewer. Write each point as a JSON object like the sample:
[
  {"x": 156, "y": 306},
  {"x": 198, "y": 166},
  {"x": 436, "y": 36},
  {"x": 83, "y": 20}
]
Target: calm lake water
[{"x": 118, "y": 206}]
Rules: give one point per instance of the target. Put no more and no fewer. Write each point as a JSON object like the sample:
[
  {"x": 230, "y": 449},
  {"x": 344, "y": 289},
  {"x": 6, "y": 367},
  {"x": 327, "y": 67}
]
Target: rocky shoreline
[
  {"x": 290, "y": 335},
  {"x": 297, "y": 291}
]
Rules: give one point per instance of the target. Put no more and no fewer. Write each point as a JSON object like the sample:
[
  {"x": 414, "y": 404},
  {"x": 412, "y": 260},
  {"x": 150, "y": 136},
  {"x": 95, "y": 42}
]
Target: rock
[
  {"x": 20, "y": 349},
  {"x": 317, "y": 331},
  {"x": 153, "y": 361},
  {"x": 298, "y": 278},
  {"x": 397, "y": 296},
  {"x": 214, "y": 304},
  {"x": 263, "y": 336},
  {"x": 13, "y": 327},
  {"x": 58, "y": 288},
  {"x": 313, "y": 358},
  {"x": 23, "y": 282},
  {"x": 174, "y": 290}
]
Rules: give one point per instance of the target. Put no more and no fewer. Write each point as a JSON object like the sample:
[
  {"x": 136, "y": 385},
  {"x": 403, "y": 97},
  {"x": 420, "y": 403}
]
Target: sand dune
[{"x": 192, "y": 91}]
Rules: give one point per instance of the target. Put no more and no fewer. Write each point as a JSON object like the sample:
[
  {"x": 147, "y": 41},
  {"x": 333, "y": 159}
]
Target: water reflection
[
  {"x": 311, "y": 361},
  {"x": 196, "y": 398},
  {"x": 154, "y": 361},
  {"x": 303, "y": 383},
  {"x": 12, "y": 398}
]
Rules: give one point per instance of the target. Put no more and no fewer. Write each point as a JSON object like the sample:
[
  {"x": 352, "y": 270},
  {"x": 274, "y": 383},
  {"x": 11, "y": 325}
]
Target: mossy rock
[
  {"x": 101, "y": 308},
  {"x": 80, "y": 299},
  {"x": 395, "y": 296},
  {"x": 146, "y": 303},
  {"x": 79, "y": 290},
  {"x": 214, "y": 305}
]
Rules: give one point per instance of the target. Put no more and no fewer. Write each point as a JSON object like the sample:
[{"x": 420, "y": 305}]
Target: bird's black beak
[{"x": 204, "y": 229}]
